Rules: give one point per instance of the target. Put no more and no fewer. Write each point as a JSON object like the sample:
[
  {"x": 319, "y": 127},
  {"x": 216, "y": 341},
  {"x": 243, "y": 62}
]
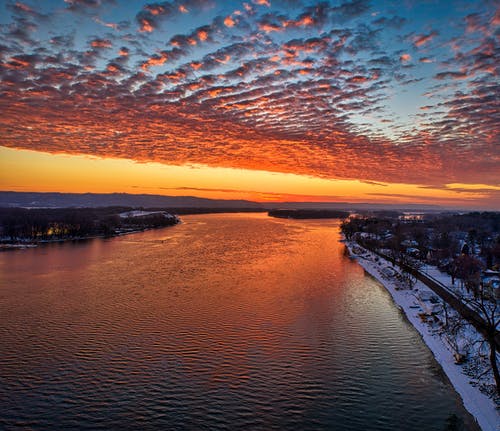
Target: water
[{"x": 232, "y": 321}]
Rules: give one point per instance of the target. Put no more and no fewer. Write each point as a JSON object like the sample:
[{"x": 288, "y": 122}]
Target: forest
[{"x": 46, "y": 224}]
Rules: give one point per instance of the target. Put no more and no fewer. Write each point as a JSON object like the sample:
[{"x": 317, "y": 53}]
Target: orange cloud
[
  {"x": 101, "y": 43},
  {"x": 112, "y": 68},
  {"x": 223, "y": 60},
  {"x": 16, "y": 63},
  {"x": 24, "y": 7},
  {"x": 154, "y": 9},
  {"x": 202, "y": 35},
  {"x": 269, "y": 27},
  {"x": 405, "y": 58},
  {"x": 318, "y": 101},
  {"x": 146, "y": 25},
  {"x": 420, "y": 40},
  {"x": 229, "y": 21},
  {"x": 302, "y": 22},
  {"x": 496, "y": 18},
  {"x": 154, "y": 61}
]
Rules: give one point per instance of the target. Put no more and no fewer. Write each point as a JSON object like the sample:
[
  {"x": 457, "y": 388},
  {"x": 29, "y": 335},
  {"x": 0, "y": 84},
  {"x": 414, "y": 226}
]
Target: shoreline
[
  {"x": 35, "y": 244},
  {"x": 482, "y": 408}
]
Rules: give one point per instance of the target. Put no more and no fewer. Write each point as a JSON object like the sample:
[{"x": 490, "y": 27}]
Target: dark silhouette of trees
[
  {"x": 21, "y": 224},
  {"x": 468, "y": 269},
  {"x": 350, "y": 226}
]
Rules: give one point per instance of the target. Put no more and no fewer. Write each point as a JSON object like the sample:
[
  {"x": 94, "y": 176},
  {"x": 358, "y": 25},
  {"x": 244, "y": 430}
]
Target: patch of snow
[
  {"x": 138, "y": 213},
  {"x": 477, "y": 403}
]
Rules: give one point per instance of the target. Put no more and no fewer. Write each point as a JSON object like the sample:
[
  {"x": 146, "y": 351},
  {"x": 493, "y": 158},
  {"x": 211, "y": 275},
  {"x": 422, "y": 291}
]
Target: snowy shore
[{"x": 481, "y": 407}]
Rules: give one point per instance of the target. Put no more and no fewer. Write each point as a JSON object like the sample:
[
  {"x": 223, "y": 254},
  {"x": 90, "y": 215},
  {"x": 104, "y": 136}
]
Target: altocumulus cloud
[{"x": 312, "y": 88}]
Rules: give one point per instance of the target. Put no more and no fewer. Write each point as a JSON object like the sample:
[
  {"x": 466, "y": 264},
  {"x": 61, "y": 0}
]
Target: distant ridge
[{"x": 94, "y": 200}]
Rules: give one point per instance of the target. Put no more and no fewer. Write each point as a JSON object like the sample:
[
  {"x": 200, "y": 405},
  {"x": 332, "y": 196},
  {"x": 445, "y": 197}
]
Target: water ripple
[{"x": 223, "y": 322}]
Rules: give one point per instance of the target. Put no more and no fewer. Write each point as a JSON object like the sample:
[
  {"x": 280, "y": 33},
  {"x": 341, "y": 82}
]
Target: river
[{"x": 226, "y": 321}]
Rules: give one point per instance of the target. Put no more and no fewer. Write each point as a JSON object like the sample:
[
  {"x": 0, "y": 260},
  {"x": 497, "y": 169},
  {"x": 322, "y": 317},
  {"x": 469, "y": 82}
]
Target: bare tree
[
  {"x": 408, "y": 275},
  {"x": 452, "y": 330},
  {"x": 489, "y": 310},
  {"x": 468, "y": 270}
]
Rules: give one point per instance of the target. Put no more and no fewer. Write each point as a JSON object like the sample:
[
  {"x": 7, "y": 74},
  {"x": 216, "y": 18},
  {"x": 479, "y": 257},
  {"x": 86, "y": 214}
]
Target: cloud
[
  {"x": 86, "y": 5},
  {"x": 350, "y": 9},
  {"x": 475, "y": 23},
  {"x": 101, "y": 43},
  {"x": 426, "y": 60},
  {"x": 452, "y": 75},
  {"x": 314, "y": 89},
  {"x": 422, "y": 39},
  {"x": 394, "y": 21},
  {"x": 152, "y": 14},
  {"x": 404, "y": 58},
  {"x": 25, "y": 10},
  {"x": 21, "y": 30},
  {"x": 113, "y": 25},
  {"x": 229, "y": 21}
]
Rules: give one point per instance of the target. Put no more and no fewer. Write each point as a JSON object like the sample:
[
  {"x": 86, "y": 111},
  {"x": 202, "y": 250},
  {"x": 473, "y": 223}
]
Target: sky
[{"x": 267, "y": 100}]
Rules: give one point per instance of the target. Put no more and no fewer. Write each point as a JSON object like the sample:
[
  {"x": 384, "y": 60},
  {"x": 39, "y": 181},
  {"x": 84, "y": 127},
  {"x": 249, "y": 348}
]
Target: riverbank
[
  {"x": 22, "y": 245},
  {"x": 482, "y": 408}
]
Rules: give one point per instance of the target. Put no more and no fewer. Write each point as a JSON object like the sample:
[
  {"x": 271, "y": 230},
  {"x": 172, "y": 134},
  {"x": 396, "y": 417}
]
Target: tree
[
  {"x": 453, "y": 331},
  {"x": 408, "y": 275},
  {"x": 350, "y": 226},
  {"x": 468, "y": 269},
  {"x": 489, "y": 310}
]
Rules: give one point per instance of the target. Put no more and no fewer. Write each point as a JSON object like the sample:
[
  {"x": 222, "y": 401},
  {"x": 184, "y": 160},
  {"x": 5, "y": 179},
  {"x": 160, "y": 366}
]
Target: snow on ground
[
  {"x": 138, "y": 213},
  {"x": 445, "y": 280},
  {"x": 477, "y": 403}
]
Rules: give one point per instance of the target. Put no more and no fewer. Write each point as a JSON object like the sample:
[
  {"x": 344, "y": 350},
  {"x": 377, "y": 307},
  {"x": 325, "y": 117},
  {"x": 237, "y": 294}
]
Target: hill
[{"x": 95, "y": 200}]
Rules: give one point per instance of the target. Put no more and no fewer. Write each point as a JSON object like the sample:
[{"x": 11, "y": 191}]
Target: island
[{"x": 307, "y": 213}]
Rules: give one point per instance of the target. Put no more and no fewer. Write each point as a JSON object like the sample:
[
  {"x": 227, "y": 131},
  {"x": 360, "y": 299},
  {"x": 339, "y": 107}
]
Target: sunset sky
[{"x": 349, "y": 100}]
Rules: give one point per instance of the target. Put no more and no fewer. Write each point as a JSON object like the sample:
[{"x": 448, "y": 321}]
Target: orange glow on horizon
[
  {"x": 24, "y": 170},
  {"x": 255, "y": 100}
]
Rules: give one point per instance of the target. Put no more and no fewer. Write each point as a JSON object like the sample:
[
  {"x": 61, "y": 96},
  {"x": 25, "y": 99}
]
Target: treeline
[
  {"x": 308, "y": 214},
  {"x": 437, "y": 238},
  {"x": 208, "y": 210},
  {"x": 21, "y": 224},
  {"x": 482, "y": 222}
]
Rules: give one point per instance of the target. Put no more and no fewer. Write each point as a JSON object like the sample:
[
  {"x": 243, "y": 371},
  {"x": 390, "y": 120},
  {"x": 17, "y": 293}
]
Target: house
[
  {"x": 413, "y": 252},
  {"x": 409, "y": 243},
  {"x": 490, "y": 282}
]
